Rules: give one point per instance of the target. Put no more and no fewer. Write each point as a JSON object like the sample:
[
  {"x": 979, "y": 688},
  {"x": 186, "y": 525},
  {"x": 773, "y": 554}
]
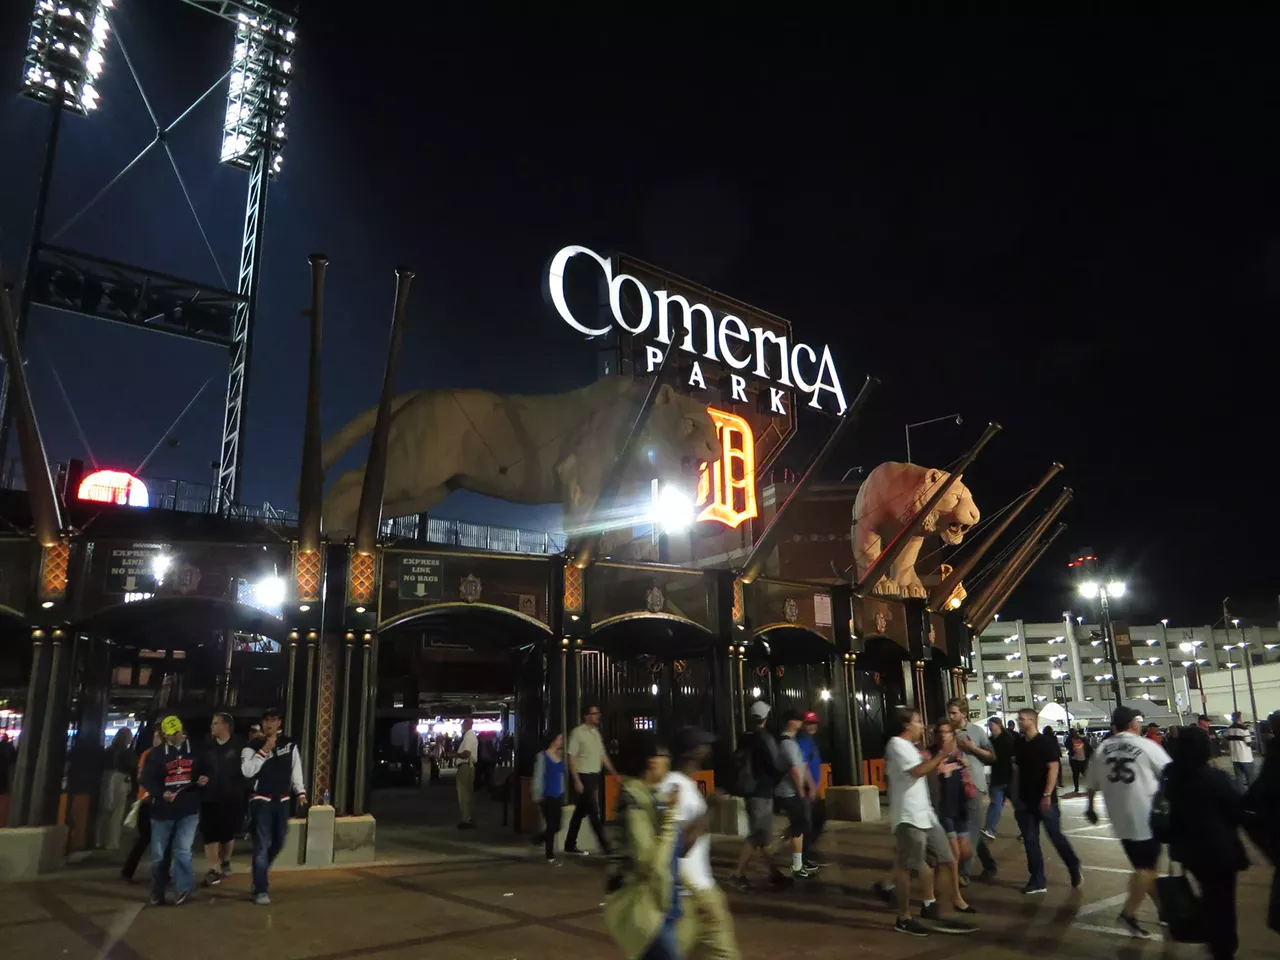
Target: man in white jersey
[{"x": 1127, "y": 767}]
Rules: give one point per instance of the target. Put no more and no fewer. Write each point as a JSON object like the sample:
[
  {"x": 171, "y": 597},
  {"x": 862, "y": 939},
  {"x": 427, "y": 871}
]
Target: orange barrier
[
  {"x": 705, "y": 779},
  {"x": 873, "y": 773},
  {"x": 74, "y": 812}
]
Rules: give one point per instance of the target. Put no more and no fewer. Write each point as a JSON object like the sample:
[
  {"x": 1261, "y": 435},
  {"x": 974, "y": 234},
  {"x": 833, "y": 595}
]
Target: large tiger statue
[
  {"x": 552, "y": 448},
  {"x": 891, "y": 495}
]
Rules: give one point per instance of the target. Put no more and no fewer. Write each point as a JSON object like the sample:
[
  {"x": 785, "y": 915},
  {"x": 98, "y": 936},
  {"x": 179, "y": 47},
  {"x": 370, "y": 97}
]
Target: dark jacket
[
  {"x": 275, "y": 775},
  {"x": 767, "y": 765},
  {"x": 222, "y": 764},
  {"x": 1205, "y": 815},
  {"x": 170, "y": 769}
]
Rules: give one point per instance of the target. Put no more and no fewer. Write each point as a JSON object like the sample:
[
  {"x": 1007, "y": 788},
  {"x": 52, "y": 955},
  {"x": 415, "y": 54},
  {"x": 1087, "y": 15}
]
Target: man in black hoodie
[
  {"x": 273, "y": 766},
  {"x": 171, "y": 775},
  {"x": 222, "y": 806}
]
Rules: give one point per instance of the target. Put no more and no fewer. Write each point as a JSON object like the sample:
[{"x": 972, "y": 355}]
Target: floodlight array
[
  {"x": 258, "y": 94},
  {"x": 66, "y": 53}
]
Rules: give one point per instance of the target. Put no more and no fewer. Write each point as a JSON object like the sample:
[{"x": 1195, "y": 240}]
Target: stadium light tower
[
  {"x": 253, "y": 138},
  {"x": 66, "y": 53}
]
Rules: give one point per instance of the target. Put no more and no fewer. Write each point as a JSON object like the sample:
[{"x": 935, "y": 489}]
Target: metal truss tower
[{"x": 253, "y": 137}]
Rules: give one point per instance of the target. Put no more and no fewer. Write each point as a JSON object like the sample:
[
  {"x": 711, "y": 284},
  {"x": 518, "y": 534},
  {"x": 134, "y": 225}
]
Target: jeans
[
  {"x": 996, "y": 807},
  {"x": 180, "y": 834},
  {"x": 270, "y": 822},
  {"x": 552, "y": 811},
  {"x": 664, "y": 945},
  {"x": 981, "y": 852},
  {"x": 1244, "y": 773},
  {"x": 1029, "y": 821},
  {"x": 817, "y": 821},
  {"x": 587, "y": 806}
]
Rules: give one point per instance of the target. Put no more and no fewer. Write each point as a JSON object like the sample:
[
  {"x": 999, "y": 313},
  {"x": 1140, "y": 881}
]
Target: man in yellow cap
[{"x": 171, "y": 776}]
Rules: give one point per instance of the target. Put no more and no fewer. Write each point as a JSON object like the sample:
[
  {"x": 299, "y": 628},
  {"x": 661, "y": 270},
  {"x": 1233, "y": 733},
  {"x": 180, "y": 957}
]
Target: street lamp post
[
  {"x": 1104, "y": 592},
  {"x": 1248, "y": 674},
  {"x": 924, "y": 423}
]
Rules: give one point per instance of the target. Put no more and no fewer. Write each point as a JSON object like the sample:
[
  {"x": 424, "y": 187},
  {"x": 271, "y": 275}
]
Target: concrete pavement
[{"x": 458, "y": 896}]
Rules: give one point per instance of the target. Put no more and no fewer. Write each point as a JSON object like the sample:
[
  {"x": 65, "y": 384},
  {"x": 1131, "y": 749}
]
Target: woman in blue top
[{"x": 548, "y": 790}]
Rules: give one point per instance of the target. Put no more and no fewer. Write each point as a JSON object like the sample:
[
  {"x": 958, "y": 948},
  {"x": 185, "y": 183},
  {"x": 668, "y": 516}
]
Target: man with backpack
[{"x": 759, "y": 769}]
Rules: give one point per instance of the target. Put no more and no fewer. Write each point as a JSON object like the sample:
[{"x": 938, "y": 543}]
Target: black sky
[{"x": 1066, "y": 226}]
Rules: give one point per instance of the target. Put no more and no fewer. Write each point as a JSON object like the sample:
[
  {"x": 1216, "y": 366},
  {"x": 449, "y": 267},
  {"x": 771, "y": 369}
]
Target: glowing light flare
[
  {"x": 672, "y": 509},
  {"x": 114, "y": 486},
  {"x": 727, "y": 487}
]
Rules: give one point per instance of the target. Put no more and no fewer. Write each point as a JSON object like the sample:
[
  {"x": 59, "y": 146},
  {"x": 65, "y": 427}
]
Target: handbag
[
  {"x": 131, "y": 818},
  {"x": 1180, "y": 907}
]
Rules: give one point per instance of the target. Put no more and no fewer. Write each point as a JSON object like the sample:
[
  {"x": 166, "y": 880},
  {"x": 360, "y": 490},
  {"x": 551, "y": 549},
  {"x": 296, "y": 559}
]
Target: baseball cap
[
  {"x": 759, "y": 710},
  {"x": 1122, "y": 718},
  {"x": 272, "y": 712},
  {"x": 810, "y": 717},
  {"x": 170, "y": 725}
]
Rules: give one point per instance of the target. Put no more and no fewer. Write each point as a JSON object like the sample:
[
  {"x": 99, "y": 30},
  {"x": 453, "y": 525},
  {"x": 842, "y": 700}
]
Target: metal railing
[
  {"x": 477, "y": 536},
  {"x": 183, "y": 496}
]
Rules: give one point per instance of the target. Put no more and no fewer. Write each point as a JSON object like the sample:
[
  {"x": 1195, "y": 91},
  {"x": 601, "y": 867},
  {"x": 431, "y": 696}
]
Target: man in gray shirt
[
  {"x": 973, "y": 740},
  {"x": 792, "y": 791}
]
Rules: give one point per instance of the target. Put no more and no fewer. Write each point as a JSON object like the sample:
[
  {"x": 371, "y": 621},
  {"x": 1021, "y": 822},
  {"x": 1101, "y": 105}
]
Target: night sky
[{"x": 1068, "y": 227}]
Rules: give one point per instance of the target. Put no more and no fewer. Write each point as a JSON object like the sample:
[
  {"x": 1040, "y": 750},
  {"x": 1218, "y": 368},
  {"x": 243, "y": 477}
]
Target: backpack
[
  {"x": 743, "y": 782},
  {"x": 1161, "y": 814}
]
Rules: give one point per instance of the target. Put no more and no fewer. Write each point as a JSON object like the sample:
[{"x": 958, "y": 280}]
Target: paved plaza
[{"x": 484, "y": 897}]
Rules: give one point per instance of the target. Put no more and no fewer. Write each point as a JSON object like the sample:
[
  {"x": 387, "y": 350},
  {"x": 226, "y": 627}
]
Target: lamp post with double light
[{"x": 1091, "y": 589}]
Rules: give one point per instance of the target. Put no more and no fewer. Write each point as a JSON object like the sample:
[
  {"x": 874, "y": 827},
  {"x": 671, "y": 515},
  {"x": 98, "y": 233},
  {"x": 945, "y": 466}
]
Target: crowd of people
[
  {"x": 221, "y": 789},
  {"x": 947, "y": 787}
]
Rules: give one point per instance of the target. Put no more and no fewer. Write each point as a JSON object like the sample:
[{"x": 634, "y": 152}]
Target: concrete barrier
[
  {"x": 27, "y": 852},
  {"x": 859, "y": 804},
  {"x": 318, "y": 843},
  {"x": 295, "y": 844},
  {"x": 353, "y": 839}
]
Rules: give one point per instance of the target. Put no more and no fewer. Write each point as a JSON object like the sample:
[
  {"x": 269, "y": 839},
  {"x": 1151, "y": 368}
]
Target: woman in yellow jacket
[{"x": 642, "y": 910}]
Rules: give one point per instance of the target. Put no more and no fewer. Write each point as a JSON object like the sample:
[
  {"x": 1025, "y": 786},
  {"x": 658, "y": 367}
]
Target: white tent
[{"x": 1075, "y": 713}]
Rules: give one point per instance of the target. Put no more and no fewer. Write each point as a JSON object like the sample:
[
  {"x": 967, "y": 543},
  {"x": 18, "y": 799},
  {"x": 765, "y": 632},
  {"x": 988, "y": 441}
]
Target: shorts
[
  {"x": 797, "y": 814},
  {"x": 760, "y": 821},
  {"x": 919, "y": 849},
  {"x": 954, "y": 828},
  {"x": 1143, "y": 854},
  {"x": 221, "y": 822}
]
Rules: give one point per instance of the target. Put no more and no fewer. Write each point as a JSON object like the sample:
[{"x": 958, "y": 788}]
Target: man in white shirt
[
  {"x": 920, "y": 839},
  {"x": 468, "y": 750},
  {"x": 1241, "y": 752},
  {"x": 690, "y": 750},
  {"x": 1127, "y": 768},
  {"x": 587, "y": 757}
]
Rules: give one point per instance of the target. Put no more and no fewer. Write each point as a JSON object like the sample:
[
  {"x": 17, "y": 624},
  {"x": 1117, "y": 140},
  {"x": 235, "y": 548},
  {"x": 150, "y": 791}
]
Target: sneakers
[
  {"x": 262, "y": 899},
  {"x": 467, "y": 825},
  {"x": 989, "y": 834},
  {"x": 1077, "y": 878},
  {"x": 182, "y": 898},
  {"x": 801, "y": 874},
  {"x": 740, "y": 883},
  {"x": 963, "y": 880},
  {"x": 987, "y": 875},
  {"x": 812, "y": 864},
  {"x": 884, "y": 893},
  {"x": 575, "y": 852},
  {"x": 1031, "y": 889},
  {"x": 1131, "y": 924},
  {"x": 553, "y": 862},
  {"x": 156, "y": 900},
  {"x": 911, "y": 927},
  {"x": 943, "y": 924},
  {"x": 212, "y": 878},
  {"x": 226, "y": 868}
]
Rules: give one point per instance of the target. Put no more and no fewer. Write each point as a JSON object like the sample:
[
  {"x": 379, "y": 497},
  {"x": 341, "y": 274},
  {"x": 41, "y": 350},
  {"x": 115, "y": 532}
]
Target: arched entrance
[
  {"x": 647, "y": 671},
  {"x": 437, "y": 665},
  {"x": 792, "y": 668},
  {"x": 880, "y": 684}
]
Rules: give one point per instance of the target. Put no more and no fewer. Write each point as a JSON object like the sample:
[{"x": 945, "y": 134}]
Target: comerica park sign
[{"x": 667, "y": 318}]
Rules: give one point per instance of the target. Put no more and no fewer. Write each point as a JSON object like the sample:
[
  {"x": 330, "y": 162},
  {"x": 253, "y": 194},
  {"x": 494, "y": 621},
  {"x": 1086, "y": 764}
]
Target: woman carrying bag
[{"x": 642, "y": 908}]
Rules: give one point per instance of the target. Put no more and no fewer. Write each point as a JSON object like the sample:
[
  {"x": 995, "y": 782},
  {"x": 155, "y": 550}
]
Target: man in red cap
[{"x": 817, "y": 801}]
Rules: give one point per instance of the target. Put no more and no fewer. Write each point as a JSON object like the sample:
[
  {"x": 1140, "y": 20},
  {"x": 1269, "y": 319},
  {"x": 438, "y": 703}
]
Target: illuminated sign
[
  {"x": 114, "y": 486},
  {"x": 757, "y": 351},
  {"x": 727, "y": 487}
]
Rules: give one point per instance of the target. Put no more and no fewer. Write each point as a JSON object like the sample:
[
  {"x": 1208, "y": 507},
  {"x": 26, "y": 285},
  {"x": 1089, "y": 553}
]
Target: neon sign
[
  {"x": 727, "y": 340},
  {"x": 114, "y": 486},
  {"x": 727, "y": 487}
]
